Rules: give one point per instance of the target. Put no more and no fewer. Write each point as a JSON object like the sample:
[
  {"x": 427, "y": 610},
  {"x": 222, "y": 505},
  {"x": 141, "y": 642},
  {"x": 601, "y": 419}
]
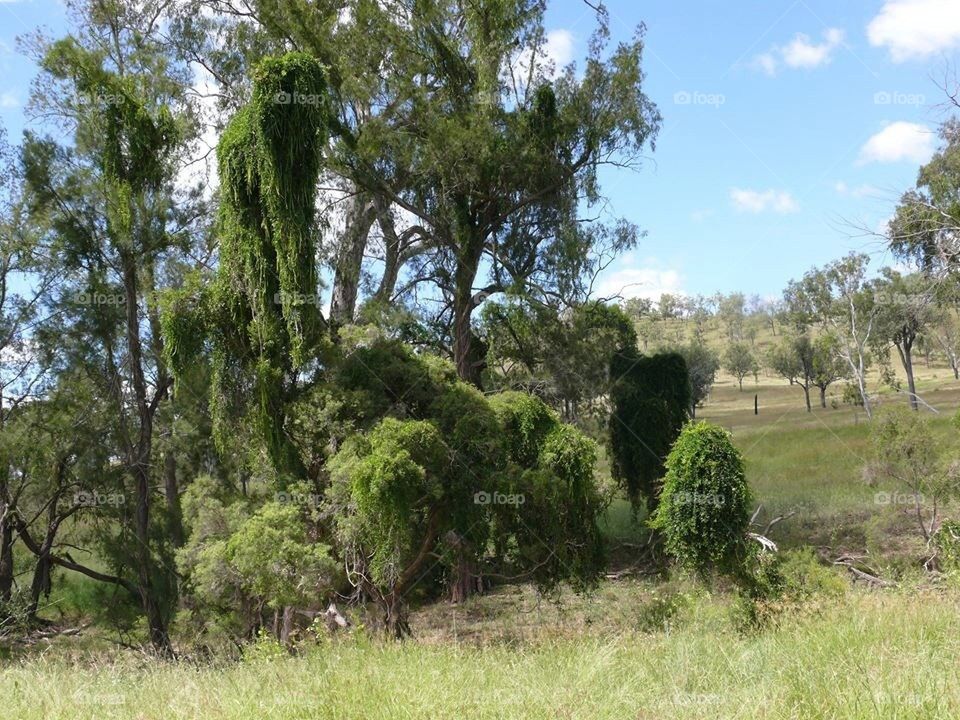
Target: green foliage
[
  {"x": 740, "y": 361},
  {"x": 239, "y": 560},
  {"x": 651, "y": 399},
  {"x": 920, "y": 465},
  {"x": 261, "y": 313},
  {"x": 276, "y": 559},
  {"x": 563, "y": 357},
  {"x": 446, "y": 472},
  {"x": 704, "y": 507}
]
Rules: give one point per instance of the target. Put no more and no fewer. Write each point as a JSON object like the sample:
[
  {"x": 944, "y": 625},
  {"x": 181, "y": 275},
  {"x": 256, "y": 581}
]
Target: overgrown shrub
[{"x": 704, "y": 507}]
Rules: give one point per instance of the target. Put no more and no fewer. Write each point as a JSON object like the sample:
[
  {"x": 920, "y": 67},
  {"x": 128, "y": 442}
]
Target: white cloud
[
  {"x": 560, "y": 47},
  {"x": 643, "y": 280},
  {"x": 860, "y": 191},
  {"x": 801, "y": 52},
  {"x": 767, "y": 63},
  {"x": 9, "y": 99},
  {"x": 912, "y": 29},
  {"x": 898, "y": 142},
  {"x": 758, "y": 201},
  {"x": 554, "y": 55}
]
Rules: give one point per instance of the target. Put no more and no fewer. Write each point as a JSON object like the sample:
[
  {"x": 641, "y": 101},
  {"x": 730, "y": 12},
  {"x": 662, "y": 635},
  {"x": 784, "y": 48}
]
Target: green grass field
[{"x": 638, "y": 647}]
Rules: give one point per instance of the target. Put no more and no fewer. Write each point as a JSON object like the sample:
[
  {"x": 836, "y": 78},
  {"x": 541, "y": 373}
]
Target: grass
[{"x": 887, "y": 655}]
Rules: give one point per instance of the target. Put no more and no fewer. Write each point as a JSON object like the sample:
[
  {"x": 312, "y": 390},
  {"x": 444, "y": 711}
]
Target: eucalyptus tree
[
  {"x": 839, "y": 299},
  {"x": 905, "y": 311},
  {"x": 926, "y": 224}
]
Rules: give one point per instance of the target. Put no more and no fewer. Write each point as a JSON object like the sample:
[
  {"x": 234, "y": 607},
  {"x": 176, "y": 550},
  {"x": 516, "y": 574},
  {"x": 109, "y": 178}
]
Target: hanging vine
[{"x": 261, "y": 314}]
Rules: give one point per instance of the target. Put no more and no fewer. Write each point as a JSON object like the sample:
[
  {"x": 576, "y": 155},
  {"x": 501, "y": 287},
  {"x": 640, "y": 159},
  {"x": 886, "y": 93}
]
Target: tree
[
  {"x": 827, "y": 366},
  {"x": 839, "y": 299},
  {"x": 563, "y": 357},
  {"x": 926, "y": 222},
  {"x": 906, "y": 452},
  {"x": 651, "y": 398},
  {"x": 905, "y": 309},
  {"x": 459, "y": 476},
  {"x": 731, "y": 313},
  {"x": 108, "y": 206},
  {"x": 739, "y": 361},
  {"x": 792, "y": 360},
  {"x": 261, "y": 313},
  {"x": 702, "y": 365},
  {"x": 704, "y": 510}
]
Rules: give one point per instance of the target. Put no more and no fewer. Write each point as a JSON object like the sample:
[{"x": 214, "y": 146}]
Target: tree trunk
[
  {"x": 906, "y": 355},
  {"x": 806, "y": 396},
  {"x": 6, "y": 557},
  {"x": 464, "y": 302},
  {"x": 823, "y": 397},
  {"x": 466, "y": 581},
  {"x": 172, "y": 492},
  {"x": 287, "y": 627},
  {"x": 41, "y": 585},
  {"x": 139, "y": 461},
  {"x": 360, "y": 214}
]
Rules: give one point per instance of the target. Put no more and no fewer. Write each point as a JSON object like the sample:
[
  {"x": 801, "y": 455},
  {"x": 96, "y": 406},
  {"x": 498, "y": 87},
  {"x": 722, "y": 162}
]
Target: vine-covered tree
[{"x": 651, "y": 399}]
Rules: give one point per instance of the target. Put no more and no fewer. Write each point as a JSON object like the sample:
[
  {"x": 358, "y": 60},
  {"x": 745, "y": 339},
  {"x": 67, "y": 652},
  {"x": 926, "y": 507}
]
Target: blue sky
[{"x": 786, "y": 122}]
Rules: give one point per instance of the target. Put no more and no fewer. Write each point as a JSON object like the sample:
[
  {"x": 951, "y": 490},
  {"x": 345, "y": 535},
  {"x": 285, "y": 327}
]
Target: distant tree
[
  {"x": 828, "y": 368},
  {"x": 946, "y": 332},
  {"x": 905, "y": 310},
  {"x": 792, "y": 359},
  {"x": 731, "y": 311},
  {"x": 702, "y": 365},
  {"x": 926, "y": 222},
  {"x": 840, "y": 300},
  {"x": 739, "y": 361}
]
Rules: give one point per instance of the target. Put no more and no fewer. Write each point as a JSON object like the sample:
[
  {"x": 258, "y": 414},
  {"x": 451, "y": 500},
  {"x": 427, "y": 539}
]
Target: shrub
[{"x": 704, "y": 507}]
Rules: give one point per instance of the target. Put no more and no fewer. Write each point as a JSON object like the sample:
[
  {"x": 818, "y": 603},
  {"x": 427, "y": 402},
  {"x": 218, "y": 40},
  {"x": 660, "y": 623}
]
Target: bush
[{"x": 704, "y": 507}]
